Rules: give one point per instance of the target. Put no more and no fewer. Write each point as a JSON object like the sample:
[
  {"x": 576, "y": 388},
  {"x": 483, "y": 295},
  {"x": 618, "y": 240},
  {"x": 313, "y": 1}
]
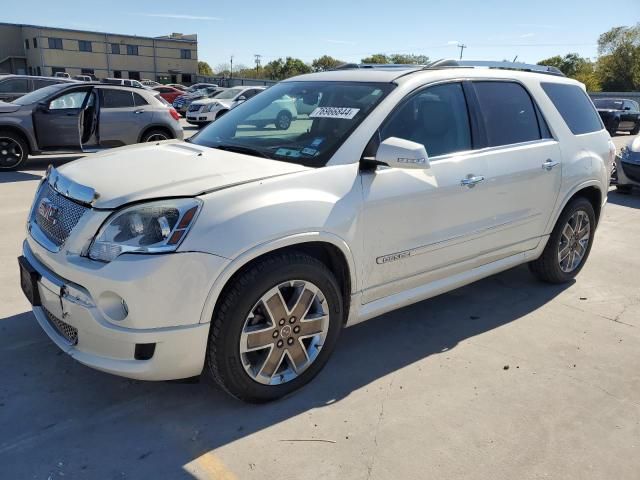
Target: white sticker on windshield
[{"x": 334, "y": 112}]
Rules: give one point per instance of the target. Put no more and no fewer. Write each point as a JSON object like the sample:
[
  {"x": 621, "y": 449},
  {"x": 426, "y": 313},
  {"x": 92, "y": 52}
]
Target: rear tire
[
  {"x": 156, "y": 135},
  {"x": 555, "y": 265},
  {"x": 613, "y": 129},
  {"x": 252, "y": 372},
  {"x": 14, "y": 151}
]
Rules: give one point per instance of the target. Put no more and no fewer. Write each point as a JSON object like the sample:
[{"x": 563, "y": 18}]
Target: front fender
[{"x": 267, "y": 247}]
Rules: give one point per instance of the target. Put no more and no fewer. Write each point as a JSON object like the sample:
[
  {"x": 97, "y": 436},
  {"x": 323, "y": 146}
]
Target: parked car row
[
  {"x": 619, "y": 114},
  {"x": 72, "y": 116}
]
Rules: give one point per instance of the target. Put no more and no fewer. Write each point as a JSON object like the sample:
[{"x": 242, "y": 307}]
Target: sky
[{"x": 348, "y": 30}]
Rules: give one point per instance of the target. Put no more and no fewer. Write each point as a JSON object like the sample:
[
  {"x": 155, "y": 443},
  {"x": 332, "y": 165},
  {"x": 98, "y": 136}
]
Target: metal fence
[
  {"x": 235, "y": 82},
  {"x": 628, "y": 95}
]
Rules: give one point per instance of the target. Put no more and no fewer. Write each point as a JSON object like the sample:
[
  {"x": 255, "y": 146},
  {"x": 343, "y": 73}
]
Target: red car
[{"x": 168, "y": 93}]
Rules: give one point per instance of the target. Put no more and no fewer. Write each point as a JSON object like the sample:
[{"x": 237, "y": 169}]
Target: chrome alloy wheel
[
  {"x": 157, "y": 137},
  {"x": 574, "y": 241},
  {"x": 10, "y": 152},
  {"x": 284, "y": 332}
]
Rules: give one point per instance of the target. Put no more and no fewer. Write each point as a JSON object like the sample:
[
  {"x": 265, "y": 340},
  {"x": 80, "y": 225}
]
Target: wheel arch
[
  {"x": 156, "y": 126},
  {"x": 592, "y": 191},
  {"x": 327, "y": 248},
  {"x": 29, "y": 140}
]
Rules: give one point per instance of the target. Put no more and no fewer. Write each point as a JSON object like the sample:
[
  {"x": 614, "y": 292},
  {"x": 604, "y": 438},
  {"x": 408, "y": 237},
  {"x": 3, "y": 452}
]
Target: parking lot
[{"x": 507, "y": 379}]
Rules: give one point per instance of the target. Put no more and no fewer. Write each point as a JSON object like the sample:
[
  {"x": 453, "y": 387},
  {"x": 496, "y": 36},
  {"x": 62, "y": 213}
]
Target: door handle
[
  {"x": 471, "y": 181},
  {"x": 549, "y": 164}
]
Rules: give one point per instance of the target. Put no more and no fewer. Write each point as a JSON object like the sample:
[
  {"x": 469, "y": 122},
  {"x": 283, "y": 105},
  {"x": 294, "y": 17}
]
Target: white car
[
  {"x": 206, "y": 110},
  {"x": 243, "y": 252}
]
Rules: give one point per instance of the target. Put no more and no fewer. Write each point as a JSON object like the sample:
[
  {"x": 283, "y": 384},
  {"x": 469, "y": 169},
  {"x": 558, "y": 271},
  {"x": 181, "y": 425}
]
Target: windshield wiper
[{"x": 242, "y": 149}]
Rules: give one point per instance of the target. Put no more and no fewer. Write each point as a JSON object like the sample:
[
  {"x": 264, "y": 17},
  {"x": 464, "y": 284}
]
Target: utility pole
[
  {"x": 231, "y": 72},
  {"x": 258, "y": 57},
  {"x": 461, "y": 46}
]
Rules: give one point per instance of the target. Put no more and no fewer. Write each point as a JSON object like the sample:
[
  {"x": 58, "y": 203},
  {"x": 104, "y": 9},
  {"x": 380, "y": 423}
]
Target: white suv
[
  {"x": 244, "y": 252},
  {"x": 206, "y": 110}
]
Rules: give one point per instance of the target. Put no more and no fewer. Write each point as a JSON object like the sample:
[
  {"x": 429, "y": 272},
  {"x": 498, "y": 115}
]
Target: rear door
[
  {"x": 59, "y": 122},
  {"x": 524, "y": 162},
  {"x": 121, "y": 119},
  {"x": 629, "y": 116}
]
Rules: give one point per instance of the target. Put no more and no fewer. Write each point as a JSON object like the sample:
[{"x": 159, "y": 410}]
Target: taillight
[{"x": 174, "y": 114}]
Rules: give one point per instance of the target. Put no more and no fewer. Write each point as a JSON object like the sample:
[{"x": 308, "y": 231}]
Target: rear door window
[
  {"x": 574, "y": 106},
  {"x": 14, "y": 85},
  {"x": 139, "y": 100},
  {"x": 116, "y": 98},
  {"x": 508, "y": 113}
]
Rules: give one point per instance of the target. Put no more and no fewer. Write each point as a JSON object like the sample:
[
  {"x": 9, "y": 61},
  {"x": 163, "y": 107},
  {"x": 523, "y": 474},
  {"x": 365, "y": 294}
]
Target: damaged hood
[{"x": 167, "y": 169}]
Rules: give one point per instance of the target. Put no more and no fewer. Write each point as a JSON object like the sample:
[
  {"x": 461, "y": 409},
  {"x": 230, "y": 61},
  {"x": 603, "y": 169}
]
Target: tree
[
  {"x": 378, "y": 58},
  {"x": 290, "y": 67},
  {"x": 577, "y": 67},
  {"x": 619, "y": 62},
  {"x": 325, "y": 63},
  {"x": 409, "y": 59},
  {"x": 204, "y": 69}
]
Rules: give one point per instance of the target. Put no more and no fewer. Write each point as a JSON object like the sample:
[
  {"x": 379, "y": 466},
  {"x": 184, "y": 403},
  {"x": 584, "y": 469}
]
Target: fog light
[{"x": 113, "y": 306}]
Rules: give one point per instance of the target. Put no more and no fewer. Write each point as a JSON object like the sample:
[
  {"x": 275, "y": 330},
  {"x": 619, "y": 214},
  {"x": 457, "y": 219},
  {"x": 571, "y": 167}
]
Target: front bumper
[
  {"x": 164, "y": 304},
  {"x": 628, "y": 170}
]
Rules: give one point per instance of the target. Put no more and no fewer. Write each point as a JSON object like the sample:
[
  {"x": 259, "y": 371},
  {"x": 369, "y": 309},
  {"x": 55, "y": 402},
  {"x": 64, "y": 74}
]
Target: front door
[
  {"x": 422, "y": 225},
  {"x": 59, "y": 123}
]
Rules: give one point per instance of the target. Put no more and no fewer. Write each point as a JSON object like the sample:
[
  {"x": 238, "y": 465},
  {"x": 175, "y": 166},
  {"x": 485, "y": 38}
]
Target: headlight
[{"x": 155, "y": 227}]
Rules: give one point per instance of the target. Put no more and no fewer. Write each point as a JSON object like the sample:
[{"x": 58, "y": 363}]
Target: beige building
[{"x": 36, "y": 50}]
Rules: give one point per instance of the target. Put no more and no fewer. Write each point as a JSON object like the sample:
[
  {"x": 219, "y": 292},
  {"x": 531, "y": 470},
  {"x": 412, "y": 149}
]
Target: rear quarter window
[{"x": 574, "y": 106}]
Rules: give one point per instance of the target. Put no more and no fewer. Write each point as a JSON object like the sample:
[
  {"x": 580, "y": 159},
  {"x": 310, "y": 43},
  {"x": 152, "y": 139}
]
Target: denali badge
[
  {"x": 393, "y": 257},
  {"x": 49, "y": 211}
]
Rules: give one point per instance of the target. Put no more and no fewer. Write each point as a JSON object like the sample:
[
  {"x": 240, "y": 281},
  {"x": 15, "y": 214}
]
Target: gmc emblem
[{"x": 48, "y": 211}]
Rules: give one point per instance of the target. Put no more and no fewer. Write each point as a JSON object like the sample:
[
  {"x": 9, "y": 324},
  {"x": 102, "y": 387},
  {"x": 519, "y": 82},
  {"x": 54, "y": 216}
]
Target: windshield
[
  {"x": 608, "y": 103},
  {"x": 229, "y": 94},
  {"x": 38, "y": 95},
  {"x": 298, "y": 122}
]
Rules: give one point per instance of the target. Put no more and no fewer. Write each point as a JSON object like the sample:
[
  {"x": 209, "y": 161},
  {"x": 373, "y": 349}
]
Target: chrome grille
[
  {"x": 67, "y": 214},
  {"x": 68, "y": 332},
  {"x": 194, "y": 108}
]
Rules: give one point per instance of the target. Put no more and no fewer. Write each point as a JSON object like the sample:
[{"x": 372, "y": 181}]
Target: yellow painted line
[{"x": 209, "y": 467}]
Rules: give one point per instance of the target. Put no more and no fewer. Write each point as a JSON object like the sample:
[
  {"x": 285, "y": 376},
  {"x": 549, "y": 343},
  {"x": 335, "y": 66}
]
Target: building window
[
  {"x": 117, "y": 74},
  {"x": 115, "y": 48},
  {"x": 88, "y": 71},
  {"x": 186, "y": 77},
  {"x": 84, "y": 46},
  {"x": 39, "y": 70},
  {"x": 55, "y": 70},
  {"x": 55, "y": 43},
  {"x": 132, "y": 50},
  {"x": 30, "y": 70},
  {"x": 26, "y": 43},
  {"x": 185, "y": 54},
  {"x": 35, "y": 42},
  {"x": 134, "y": 75}
]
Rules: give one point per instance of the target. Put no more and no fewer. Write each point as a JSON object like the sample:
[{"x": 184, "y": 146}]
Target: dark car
[
  {"x": 182, "y": 102},
  {"x": 619, "y": 114},
  {"x": 82, "y": 117},
  {"x": 15, "y": 86}
]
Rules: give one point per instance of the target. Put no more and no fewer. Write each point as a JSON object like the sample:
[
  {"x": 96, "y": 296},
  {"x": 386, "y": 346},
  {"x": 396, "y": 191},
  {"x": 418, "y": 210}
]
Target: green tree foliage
[
  {"x": 400, "y": 58},
  {"x": 325, "y": 63},
  {"x": 280, "y": 69},
  {"x": 575, "y": 66},
  {"x": 619, "y": 62},
  {"x": 204, "y": 69}
]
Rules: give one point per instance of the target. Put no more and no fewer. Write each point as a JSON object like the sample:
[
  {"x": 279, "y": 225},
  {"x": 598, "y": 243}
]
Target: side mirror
[
  {"x": 241, "y": 98},
  {"x": 399, "y": 153}
]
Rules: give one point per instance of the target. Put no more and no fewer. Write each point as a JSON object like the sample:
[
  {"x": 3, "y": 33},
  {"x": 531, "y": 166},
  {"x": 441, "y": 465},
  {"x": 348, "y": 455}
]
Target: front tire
[
  {"x": 275, "y": 327},
  {"x": 283, "y": 120},
  {"x": 569, "y": 244},
  {"x": 14, "y": 151}
]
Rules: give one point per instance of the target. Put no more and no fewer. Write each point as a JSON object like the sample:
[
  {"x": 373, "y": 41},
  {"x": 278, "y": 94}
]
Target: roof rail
[
  {"x": 353, "y": 66},
  {"x": 525, "y": 67}
]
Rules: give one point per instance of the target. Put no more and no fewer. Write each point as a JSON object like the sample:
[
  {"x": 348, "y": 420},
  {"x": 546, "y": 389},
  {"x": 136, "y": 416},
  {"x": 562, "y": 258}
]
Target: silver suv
[{"x": 82, "y": 117}]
